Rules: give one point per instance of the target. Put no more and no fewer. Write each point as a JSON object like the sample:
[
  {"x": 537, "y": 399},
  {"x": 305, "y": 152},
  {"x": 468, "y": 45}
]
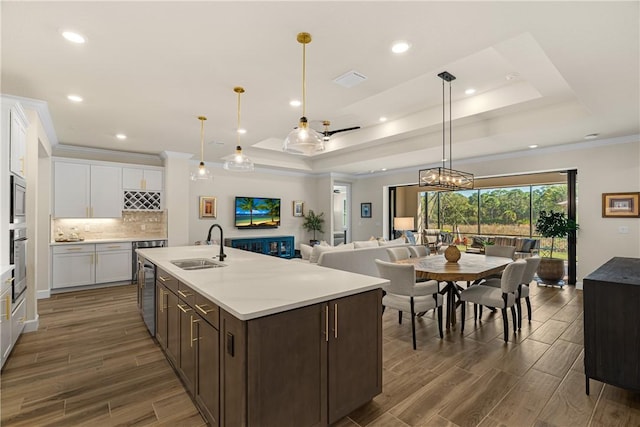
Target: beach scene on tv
[{"x": 257, "y": 212}]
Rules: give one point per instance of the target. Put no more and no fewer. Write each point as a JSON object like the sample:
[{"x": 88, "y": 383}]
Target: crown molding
[
  {"x": 78, "y": 151},
  {"x": 42, "y": 108}
]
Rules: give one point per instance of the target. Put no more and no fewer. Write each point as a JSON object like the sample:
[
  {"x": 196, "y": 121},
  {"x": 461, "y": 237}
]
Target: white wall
[
  {"x": 610, "y": 167},
  {"x": 227, "y": 185}
]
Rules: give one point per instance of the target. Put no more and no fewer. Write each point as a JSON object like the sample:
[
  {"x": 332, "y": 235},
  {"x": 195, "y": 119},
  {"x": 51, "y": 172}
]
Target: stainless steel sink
[{"x": 196, "y": 263}]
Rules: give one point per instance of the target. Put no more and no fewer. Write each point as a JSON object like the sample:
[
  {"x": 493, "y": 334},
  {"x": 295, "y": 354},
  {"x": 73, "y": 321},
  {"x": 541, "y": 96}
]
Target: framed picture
[
  {"x": 365, "y": 210},
  {"x": 298, "y": 208},
  {"x": 620, "y": 205},
  {"x": 207, "y": 207}
]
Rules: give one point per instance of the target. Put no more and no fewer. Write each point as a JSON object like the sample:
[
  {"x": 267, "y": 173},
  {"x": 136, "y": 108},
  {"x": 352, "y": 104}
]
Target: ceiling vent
[{"x": 350, "y": 79}]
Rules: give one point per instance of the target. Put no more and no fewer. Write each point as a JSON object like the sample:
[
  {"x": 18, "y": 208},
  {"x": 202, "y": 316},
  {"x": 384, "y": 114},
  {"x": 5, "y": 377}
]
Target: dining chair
[
  {"x": 523, "y": 287},
  {"x": 499, "y": 250},
  {"x": 404, "y": 294},
  {"x": 418, "y": 251},
  {"x": 399, "y": 253},
  {"x": 503, "y": 297}
]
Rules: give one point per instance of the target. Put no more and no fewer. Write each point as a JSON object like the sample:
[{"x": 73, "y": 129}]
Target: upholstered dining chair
[
  {"x": 523, "y": 287},
  {"x": 499, "y": 250},
  {"x": 503, "y": 297},
  {"x": 418, "y": 251},
  {"x": 404, "y": 294},
  {"x": 399, "y": 253}
]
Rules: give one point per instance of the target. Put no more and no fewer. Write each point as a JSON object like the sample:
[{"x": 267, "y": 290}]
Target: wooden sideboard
[{"x": 612, "y": 324}]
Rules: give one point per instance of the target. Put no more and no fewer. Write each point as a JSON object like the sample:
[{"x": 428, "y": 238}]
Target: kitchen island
[{"x": 264, "y": 341}]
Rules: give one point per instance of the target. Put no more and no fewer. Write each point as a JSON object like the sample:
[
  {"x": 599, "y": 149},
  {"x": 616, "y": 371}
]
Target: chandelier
[{"x": 443, "y": 178}]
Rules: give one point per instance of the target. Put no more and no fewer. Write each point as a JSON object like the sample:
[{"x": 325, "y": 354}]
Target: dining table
[{"x": 471, "y": 268}]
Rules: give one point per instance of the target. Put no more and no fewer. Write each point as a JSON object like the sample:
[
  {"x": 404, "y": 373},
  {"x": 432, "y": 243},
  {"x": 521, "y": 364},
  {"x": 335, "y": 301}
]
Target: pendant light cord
[
  {"x": 202, "y": 140},
  {"x": 444, "y": 155},
  {"x": 450, "y": 130},
  {"x": 304, "y": 79},
  {"x": 238, "y": 129}
]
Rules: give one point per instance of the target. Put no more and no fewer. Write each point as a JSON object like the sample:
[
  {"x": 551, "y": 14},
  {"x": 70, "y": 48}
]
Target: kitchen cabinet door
[
  {"x": 355, "y": 352},
  {"x": 113, "y": 262},
  {"x": 18, "y": 143},
  {"x": 187, "y": 360},
  {"x": 142, "y": 179},
  {"x": 18, "y": 317},
  {"x": 73, "y": 266},
  {"x": 5, "y": 324},
  {"x": 161, "y": 316},
  {"x": 106, "y": 192},
  {"x": 173, "y": 329},
  {"x": 207, "y": 392},
  {"x": 72, "y": 190}
]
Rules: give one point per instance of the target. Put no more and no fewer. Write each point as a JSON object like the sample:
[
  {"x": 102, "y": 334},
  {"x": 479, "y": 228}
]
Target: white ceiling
[{"x": 149, "y": 69}]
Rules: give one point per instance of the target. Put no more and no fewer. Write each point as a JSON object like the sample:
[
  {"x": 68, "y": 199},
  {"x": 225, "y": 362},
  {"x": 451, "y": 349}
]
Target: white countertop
[
  {"x": 254, "y": 285},
  {"x": 5, "y": 268},
  {"x": 121, "y": 239}
]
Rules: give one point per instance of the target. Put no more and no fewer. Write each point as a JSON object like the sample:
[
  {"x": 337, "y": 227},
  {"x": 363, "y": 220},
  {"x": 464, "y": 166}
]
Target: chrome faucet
[{"x": 222, "y": 256}]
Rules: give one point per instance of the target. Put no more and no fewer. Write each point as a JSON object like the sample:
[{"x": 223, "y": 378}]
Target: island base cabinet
[
  {"x": 187, "y": 359},
  {"x": 161, "y": 316},
  {"x": 355, "y": 352},
  {"x": 173, "y": 329},
  {"x": 305, "y": 367},
  {"x": 207, "y": 391}
]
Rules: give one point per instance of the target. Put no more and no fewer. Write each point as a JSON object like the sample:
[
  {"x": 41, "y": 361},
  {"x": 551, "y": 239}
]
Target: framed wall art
[
  {"x": 365, "y": 210},
  {"x": 620, "y": 205},
  {"x": 207, "y": 207},
  {"x": 298, "y": 208}
]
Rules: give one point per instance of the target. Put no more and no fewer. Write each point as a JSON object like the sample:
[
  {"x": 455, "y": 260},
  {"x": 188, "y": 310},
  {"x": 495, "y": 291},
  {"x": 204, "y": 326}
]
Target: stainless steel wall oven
[
  {"x": 18, "y": 202},
  {"x": 18, "y": 257}
]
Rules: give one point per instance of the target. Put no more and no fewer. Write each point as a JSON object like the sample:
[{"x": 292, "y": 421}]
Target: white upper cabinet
[
  {"x": 18, "y": 142},
  {"x": 87, "y": 191},
  {"x": 142, "y": 179}
]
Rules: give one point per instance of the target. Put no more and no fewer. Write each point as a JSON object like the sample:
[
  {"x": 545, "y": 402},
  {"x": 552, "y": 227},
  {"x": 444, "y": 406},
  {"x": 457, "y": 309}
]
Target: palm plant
[{"x": 313, "y": 222}]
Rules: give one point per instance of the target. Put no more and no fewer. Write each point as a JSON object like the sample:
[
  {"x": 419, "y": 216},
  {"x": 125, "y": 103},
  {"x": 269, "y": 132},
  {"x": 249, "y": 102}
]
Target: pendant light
[
  {"x": 238, "y": 162},
  {"x": 443, "y": 178},
  {"x": 201, "y": 173},
  {"x": 303, "y": 139}
]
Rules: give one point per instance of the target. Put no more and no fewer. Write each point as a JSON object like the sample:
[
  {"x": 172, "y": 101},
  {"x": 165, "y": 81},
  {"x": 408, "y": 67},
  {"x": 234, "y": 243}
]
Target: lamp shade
[{"x": 403, "y": 223}]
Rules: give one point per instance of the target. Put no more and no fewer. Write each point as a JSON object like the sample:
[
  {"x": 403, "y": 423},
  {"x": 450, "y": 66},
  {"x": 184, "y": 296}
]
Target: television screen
[{"x": 257, "y": 212}]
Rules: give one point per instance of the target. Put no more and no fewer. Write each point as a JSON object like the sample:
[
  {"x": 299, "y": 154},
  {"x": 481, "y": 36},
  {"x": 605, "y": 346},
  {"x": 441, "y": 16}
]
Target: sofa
[
  {"x": 525, "y": 247},
  {"x": 355, "y": 257}
]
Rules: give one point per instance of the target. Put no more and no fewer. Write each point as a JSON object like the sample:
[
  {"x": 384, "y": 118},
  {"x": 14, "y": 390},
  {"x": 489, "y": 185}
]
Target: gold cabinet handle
[
  {"x": 13, "y": 278},
  {"x": 184, "y": 310},
  {"x": 86, "y": 211},
  {"x": 191, "y": 330},
  {"x": 326, "y": 323},
  {"x": 335, "y": 320},
  {"x": 161, "y": 301},
  {"x": 164, "y": 279},
  {"x": 114, "y": 247},
  {"x": 91, "y": 262},
  {"x": 7, "y": 306},
  {"x": 22, "y": 165},
  {"x": 184, "y": 295},
  {"x": 203, "y": 310},
  {"x": 74, "y": 249}
]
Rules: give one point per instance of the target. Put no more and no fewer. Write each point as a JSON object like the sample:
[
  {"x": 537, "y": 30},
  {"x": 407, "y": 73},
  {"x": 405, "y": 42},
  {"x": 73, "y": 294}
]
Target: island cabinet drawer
[
  {"x": 207, "y": 310},
  {"x": 73, "y": 249},
  {"x": 167, "y": 280},
  {"x": 186, "y": 294}
]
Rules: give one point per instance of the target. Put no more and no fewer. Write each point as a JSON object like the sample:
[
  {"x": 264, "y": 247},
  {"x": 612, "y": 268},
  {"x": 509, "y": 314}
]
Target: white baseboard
[
  {"x": 32, "y": 325},
  {"x": 579, "y": 285},
  {"x": 43, "y": 294}
]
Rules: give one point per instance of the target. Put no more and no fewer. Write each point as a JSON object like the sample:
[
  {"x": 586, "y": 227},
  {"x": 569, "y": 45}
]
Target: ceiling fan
[{"x": 326, "y": 134}]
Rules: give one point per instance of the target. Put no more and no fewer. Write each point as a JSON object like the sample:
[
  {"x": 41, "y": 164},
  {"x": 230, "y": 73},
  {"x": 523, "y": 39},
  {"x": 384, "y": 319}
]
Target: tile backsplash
[{"x": 133, "y": 224}]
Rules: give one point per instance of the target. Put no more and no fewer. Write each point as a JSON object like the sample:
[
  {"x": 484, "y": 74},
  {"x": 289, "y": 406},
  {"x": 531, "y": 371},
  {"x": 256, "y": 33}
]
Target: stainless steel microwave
[{"x": 18, "y": 200}]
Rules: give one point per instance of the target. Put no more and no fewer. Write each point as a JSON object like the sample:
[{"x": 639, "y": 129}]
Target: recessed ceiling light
[
  {"x": 295, "y": 103},
  {"x": 533, "y": 146},
  {"x": 469, "y": 91},
  {"x": 400, "y": 47},
  {"x": 592, "y": 136},
  {"x": 383, "y": 169},
  {"x": 382, "y": 119},
  {"x": 74, "y": 98},
  {"x": 121, "y": 136},
  {"x": 73, "y": 37},
  {"x": 242, "y": 131}
]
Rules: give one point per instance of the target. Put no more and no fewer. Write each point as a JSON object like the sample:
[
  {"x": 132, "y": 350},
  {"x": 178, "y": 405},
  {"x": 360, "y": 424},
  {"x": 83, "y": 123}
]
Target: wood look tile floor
[{"x": 93, "y": 363}]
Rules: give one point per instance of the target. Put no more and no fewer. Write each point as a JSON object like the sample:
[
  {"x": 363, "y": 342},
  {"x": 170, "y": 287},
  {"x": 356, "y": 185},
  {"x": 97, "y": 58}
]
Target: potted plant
[
  {"x": 551, "y": 225},
  {"x": 313, "y": 222}
]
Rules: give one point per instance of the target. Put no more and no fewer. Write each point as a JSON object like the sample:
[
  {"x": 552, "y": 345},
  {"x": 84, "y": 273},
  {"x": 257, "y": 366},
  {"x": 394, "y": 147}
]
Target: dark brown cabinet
[
  {"x": 207, "y": 387},
  {"x": 612, "y": 324},
  {"x": 306, "y": 367},
  {"x": 173, "y": 329},
  {"x": 161, "y": 315},
  {"x": 187, "y": 359}
]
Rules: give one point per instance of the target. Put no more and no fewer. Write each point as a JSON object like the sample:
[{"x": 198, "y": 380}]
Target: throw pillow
[
  {"x": 305, "y": 251},
  {"x": 365, "y": 244},
  {"x": 398, "y": 241},
  {"x": 320, "y": 249}
]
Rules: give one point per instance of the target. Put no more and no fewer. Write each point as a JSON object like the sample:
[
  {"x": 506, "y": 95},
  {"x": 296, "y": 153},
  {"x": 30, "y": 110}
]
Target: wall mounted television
[{"x": 257, "y": 212}]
